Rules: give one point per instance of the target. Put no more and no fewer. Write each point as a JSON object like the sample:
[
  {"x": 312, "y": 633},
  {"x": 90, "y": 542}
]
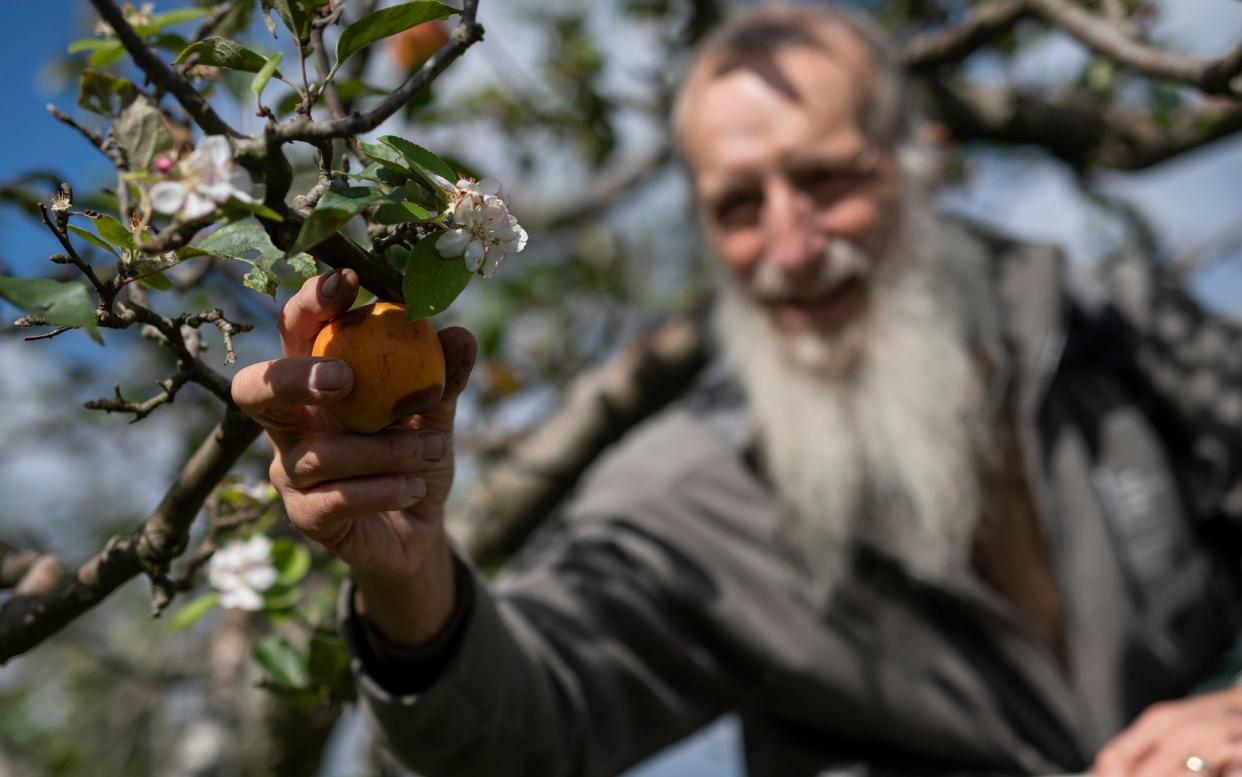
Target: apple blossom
[
  {"x": 241, "y": 570},
  {"x": 482, "y": 229},
  {"x": 202, "y": 182}
]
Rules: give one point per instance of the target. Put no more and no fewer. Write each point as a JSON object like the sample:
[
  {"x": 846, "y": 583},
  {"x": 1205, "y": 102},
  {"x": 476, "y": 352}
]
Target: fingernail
[
  {"x": 331, "y": 282},
  {"x": 328, "y": 375},
  {"x": 415, "y": 488},
  {"x": 434, "y": 446}
]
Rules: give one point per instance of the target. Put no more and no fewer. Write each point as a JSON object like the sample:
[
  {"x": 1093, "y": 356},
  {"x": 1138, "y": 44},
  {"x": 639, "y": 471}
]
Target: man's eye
[
  {"x": 739, "y": 210},
  {"x": 826, "y": 186}
]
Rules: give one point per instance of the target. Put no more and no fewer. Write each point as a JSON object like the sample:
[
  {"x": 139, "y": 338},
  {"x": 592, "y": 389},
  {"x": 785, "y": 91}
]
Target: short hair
[{"x": 755, "y": 36}]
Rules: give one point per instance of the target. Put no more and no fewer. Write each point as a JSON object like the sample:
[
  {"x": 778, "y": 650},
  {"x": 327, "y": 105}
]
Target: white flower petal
[
  {"x": 241, "y": 599},
  {"x": 449, "y": 189},
  {"x": 474, "y": 255},
  {"x": 257, "y": 549},
  {"x": 216, "y": 191},
  {"x": 260, "y": 578},
  {"x": 167, "y": 196},
  {"x": 465, "y": 211},
  {"x": 197, "y": 206},
  {"x": 489, "y": 186},
  {"x": 453, "y": 242},
  {"x": 492, "y": 262},
  {"x": 494, "y": 212},
  {"x": 215, "y": 150},
  {"x": 224, "y": 579},
  {"x": 520, "y": 243}
]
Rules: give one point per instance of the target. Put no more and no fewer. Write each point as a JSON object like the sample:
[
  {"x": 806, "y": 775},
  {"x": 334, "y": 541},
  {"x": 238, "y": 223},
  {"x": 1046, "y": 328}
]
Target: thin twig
[
  {"x": 161, "y": 74},
  {"x": 168, "y": 392},
  {"x": 60, "y": 330},
  {"x": 466, "y": 33},
  {"x": 62, "y": 236}
]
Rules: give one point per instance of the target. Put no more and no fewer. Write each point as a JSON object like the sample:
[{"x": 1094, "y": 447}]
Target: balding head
[{"x": 753, "y": 42}]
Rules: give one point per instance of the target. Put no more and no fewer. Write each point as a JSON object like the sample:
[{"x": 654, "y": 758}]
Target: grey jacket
[{"x": 665, "y": 598}]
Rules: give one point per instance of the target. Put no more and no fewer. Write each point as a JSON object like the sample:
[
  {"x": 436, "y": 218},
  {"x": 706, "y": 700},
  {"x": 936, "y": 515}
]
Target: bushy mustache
[{"x": 841, "y": 262}]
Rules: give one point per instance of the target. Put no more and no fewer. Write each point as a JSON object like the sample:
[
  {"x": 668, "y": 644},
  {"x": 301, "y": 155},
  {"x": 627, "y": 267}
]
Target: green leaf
[
  {"x": 304, "y": 265},
  {"x": 104, "y": 93},
  {"x": 261, "y": 280},
  {"x": 403, "y": 213},
  {"x": 88, "y": 237},
  {"x": 431, "y": 281},
  {"x": 222, "y": 52},
  {"x": 169, "y": 18},
  {"x": 389, "y": 157},
  {"x": 328, "y": 662},
  {"x": 247, "y": 243},
  {"x": 282, "y": 661},
  {"x": 418, "y": 157},
  {"x": 239, "y": 241},
  {"x": 155, "y": 281},
  {"x": 107, "y": 55},
  {"x": 237, "y": 209},
  {"x": 90, "y": 44},
  {"x": 296, "y": 14},
  {"x": 141, "y": 131},
  {"x": 388, "y": 21},
  {"x": 377, "y": 173},
  {"x": 192, "y": 610},
  {"x": 113, "y": 231},
  {"x": 265, "y": 74},
  {"x": 170, "y": 41},
  {"x": 334, "y": 208},
  {"x": 281, "y": 597},
  {"x": 64, "y": 304},
  {"x": 292, "y": 560}
]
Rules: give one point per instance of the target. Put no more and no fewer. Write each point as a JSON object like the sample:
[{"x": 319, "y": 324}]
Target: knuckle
[
  {"x": 306, "y": 464},
  {"x": 401, "y": 446}
]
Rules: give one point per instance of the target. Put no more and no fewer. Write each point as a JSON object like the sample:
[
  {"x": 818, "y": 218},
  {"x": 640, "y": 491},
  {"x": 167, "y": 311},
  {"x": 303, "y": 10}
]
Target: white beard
[{"x": 872, "y": 435}]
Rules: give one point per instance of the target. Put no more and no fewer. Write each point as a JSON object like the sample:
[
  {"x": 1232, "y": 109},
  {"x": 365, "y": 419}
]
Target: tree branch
[
  {"x": 514, "y": 496},
  {"x": 28, "y": 618},
  {"x": 161, "y": 74},
  {"x": 465, "y": 34},
  {"x": 1098, "y": 34},
  {"x": 1078, "y": 131},
  {"x": 168, "y": 392},
  {"x": 14, "y": 564},
  {"x": 953, "y": 44}
]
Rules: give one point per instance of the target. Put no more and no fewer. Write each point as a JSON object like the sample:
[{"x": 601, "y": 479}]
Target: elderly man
[{"x": 929, "y": 514}]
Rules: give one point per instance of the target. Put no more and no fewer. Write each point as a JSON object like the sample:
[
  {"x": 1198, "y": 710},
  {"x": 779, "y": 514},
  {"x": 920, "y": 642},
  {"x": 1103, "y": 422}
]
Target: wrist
[{"x": 412, "y": 609}]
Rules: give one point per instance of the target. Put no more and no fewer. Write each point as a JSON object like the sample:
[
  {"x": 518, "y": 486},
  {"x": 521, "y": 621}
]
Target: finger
[
  {"x": 319, "y": 300},
  {"x": 265, "y": 389},
  {"x": 326, "y": 513},
  {"x": 460, "y": 351},
  {"x": 319, "y": 458},
  {"x": 1136, "y": 742}
]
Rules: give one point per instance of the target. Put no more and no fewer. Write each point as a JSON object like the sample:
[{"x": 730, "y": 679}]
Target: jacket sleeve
[
  {"x": 582, "y": 664},
  {"x": 1189, "y": 359}
]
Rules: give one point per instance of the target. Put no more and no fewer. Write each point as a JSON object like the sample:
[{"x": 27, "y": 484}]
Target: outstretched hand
[{"x": 375, "y": 500}]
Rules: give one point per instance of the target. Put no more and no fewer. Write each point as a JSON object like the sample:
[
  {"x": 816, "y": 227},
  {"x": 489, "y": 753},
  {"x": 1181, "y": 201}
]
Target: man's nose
[{"x": 792, "y": 242}]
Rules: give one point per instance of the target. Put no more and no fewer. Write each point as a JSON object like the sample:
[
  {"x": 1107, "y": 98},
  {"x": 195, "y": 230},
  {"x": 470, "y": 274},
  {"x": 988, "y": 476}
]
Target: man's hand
[
  {"x": 1159, "y": 743},
  {"x": 375, "y": 500}
]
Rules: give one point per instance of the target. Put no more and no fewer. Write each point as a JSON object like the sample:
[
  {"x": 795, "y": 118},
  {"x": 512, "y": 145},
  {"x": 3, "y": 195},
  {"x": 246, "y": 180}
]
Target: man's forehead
[{"x": 801, "y": 96}]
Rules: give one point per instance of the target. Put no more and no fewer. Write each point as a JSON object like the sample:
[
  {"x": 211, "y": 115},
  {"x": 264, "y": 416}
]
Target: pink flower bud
[{"x": 163, "y": 164}]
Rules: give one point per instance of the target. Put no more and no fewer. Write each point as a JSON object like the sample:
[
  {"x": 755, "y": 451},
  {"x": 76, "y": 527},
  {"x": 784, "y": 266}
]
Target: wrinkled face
[{"x": 795, "y": 199}]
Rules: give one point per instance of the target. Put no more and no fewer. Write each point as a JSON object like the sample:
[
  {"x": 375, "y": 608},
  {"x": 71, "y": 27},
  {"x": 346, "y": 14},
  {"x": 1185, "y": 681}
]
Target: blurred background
[{"x": 566, "y": 103}]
